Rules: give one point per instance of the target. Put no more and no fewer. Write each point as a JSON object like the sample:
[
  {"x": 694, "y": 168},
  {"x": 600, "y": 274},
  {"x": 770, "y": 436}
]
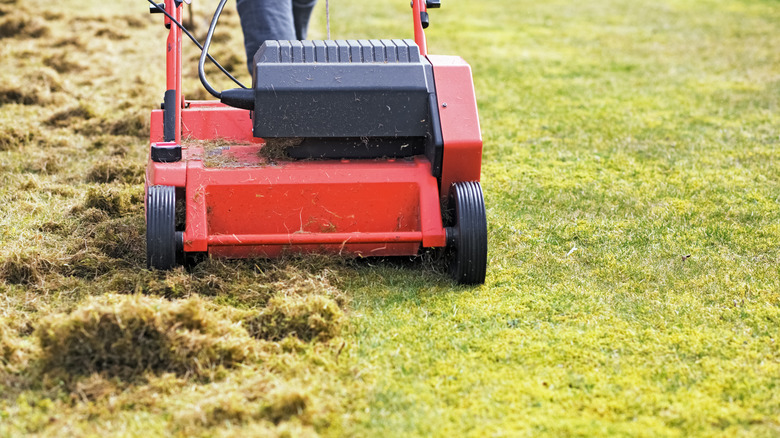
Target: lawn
[{"x": 632, "y": 184}]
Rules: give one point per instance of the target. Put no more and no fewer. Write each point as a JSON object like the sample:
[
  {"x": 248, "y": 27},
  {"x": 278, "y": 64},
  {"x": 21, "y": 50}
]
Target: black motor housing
[{"x": 342, "y": 88}]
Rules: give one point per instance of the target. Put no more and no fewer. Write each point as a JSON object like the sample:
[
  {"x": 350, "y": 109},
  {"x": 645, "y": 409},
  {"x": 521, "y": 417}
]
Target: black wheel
[
  {"x": 467, "y": 233},
  {"x": 162, "y": 241}
]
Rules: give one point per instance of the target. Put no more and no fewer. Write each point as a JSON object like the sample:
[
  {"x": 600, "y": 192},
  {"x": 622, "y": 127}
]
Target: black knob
[{"x": 425, "y": 20}]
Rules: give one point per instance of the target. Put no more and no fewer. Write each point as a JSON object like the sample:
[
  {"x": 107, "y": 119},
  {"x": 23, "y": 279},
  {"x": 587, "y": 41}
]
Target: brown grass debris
[
  {"x": 115, "y": 145},
  {"x": 21, "y": 96},
  {"x": 309, "y": 317},
  {"x": 73, "y": 41},
  {"x": 88, "y": 263},
  {"x": 111, "y": 34},
  {"x": 114, "y": 202},
  {"x": 62, "y": 63},
  {"x": 25, "y": 268},
  {"x": 127, "y": 336},
  {"x": 52, "y": 16},
  {"x": 41, "y": 163},
  {"x": 136, "y": 22},
  {"x": 23, "y": 27},
  {"x": 15, "y": 138},
  {"x": 286, "y": 402},
  {"x": 35, "y": 89},
  {"x": 133, "y": 124},
  {"x": 12, "y": 349},
  {"x": 94, "y": 387},
  {"x": 121, "y": 124},
  {"x": 122, "y": 238},
  {"x": 67, "y": 117},
  {"x": 116, "y": 170}
]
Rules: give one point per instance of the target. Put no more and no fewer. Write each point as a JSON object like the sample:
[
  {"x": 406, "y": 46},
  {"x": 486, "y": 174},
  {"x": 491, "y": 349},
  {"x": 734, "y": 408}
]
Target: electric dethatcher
[{"x": 351, "y": 147}]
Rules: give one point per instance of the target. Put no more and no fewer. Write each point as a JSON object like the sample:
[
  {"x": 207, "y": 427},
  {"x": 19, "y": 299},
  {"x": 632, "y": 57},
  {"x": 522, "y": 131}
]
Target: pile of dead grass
[
  {"x": 263, "y": 403},
  {"x": 128, "y": 336},
  {"x": 106, "y": 246},
  {"x": 115, "y": 145},
  {"x": 22, "y": 26},
  {"x": 68, "y": 117},
  {"x": 14, "y": 351},
  {"x": 24, "y": 268},
  {"x": 17, "y": 351},
  {"x": 130, "y": 123},
  {"x": 112, "y": 200},
  {"x": 304, "y": 305},
  {"x": 116, "y": 170},
  {"x": 98, "y": 248},
  {"x": 64, "y": 62},
  {"x": 38, "y": 88},
  {"x": 15, "y": 138},
  {"x": 82, "y": 118},
  {"x": 308, "y": 317}
]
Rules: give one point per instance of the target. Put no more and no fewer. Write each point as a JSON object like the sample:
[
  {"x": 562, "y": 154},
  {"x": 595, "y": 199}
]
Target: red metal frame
[
  {"x": 418, "y": 7},
  {"x": 242, "y": 205},
  {"x": 462, "y": 160}
]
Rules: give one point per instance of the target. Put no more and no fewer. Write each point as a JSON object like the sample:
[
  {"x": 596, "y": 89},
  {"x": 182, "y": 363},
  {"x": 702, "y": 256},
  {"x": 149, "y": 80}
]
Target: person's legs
[
  {"x": 301, "y": 14},
  {"x": 265, "y": 20}
]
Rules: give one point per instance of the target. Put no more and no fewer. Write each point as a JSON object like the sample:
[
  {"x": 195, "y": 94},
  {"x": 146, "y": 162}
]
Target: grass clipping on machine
[{"x": 127, "y": 336}]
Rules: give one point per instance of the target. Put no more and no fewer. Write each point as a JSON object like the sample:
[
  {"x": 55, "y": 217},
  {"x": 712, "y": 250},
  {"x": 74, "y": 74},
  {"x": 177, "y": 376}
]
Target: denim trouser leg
[
  {"x": 272, "y": 20},
  {"x": 301, "y": 14}
]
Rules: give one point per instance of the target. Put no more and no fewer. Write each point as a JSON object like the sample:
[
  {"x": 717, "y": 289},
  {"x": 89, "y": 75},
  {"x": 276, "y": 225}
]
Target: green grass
[
  {"x": 632, "y": 182},
  {"x": 620, "y": 138}
]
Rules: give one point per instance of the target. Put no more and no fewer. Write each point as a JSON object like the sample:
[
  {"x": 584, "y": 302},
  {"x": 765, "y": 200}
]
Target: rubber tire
[
  {"x": 161, "y": 246},
  {"x": 467, "y": 235}
]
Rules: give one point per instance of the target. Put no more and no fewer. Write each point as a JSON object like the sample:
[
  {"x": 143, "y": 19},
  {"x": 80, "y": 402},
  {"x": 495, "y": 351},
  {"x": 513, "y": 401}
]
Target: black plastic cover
[
  {"x": 342, "y": 88},
  {"x": 357, "y": 147}
]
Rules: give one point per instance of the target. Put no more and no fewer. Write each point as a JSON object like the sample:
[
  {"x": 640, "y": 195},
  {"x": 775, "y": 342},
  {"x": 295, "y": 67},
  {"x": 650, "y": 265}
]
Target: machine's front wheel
[
  {"x": 467, "y": 233},
  {"x": 161, "y": 236}
]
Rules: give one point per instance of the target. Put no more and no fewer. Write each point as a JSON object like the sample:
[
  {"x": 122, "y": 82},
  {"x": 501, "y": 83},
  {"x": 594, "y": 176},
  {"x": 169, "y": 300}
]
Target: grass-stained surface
[{"x": 633, "y": 189}]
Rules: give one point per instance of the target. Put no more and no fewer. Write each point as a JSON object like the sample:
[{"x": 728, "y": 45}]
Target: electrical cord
[
  {"x": 194, "y": 40},
  {"x": 205, "y": 51}
]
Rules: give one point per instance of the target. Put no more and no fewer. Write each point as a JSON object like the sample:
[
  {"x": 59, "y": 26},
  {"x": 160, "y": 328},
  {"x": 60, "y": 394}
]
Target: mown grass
[
  {"x": 631, "y": 177},
  {"x": 632, "y": 187}
]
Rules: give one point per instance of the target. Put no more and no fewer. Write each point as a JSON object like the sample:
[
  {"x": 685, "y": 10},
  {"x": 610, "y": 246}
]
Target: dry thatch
[
  {"x": 115, "y": 202},
  {"x": 69, "y": 116},
  {"x": 127, "y": 336},
  {"x": 24, "y": 267},
  {"x": 116, "y": 170},
  {"x": 23, "y": 27},
  {"x": 309, "y": 317},
  {"x": 286, "y": 402},
  {"x": 10, "y": 348}
]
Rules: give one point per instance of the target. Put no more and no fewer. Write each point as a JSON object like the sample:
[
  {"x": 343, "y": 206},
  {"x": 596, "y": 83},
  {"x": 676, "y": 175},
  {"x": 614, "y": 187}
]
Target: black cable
[
  {"x": 205, "y": 51},
  {"x": 194, "y": 40}
]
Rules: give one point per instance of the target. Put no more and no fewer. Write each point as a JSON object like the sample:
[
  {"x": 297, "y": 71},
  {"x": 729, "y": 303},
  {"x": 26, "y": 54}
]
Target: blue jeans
[{"x": 272, "y": 20}]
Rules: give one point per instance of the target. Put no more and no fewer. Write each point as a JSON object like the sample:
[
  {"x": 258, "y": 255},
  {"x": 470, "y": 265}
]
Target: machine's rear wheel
[
  {"x": 162, "y": 246},
  {"x": 467, "y": 233}
]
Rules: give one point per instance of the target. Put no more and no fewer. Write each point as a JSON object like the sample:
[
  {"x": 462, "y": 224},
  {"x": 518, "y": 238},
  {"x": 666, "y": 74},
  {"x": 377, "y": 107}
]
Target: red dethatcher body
[{"x": 240, "y": 203}]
